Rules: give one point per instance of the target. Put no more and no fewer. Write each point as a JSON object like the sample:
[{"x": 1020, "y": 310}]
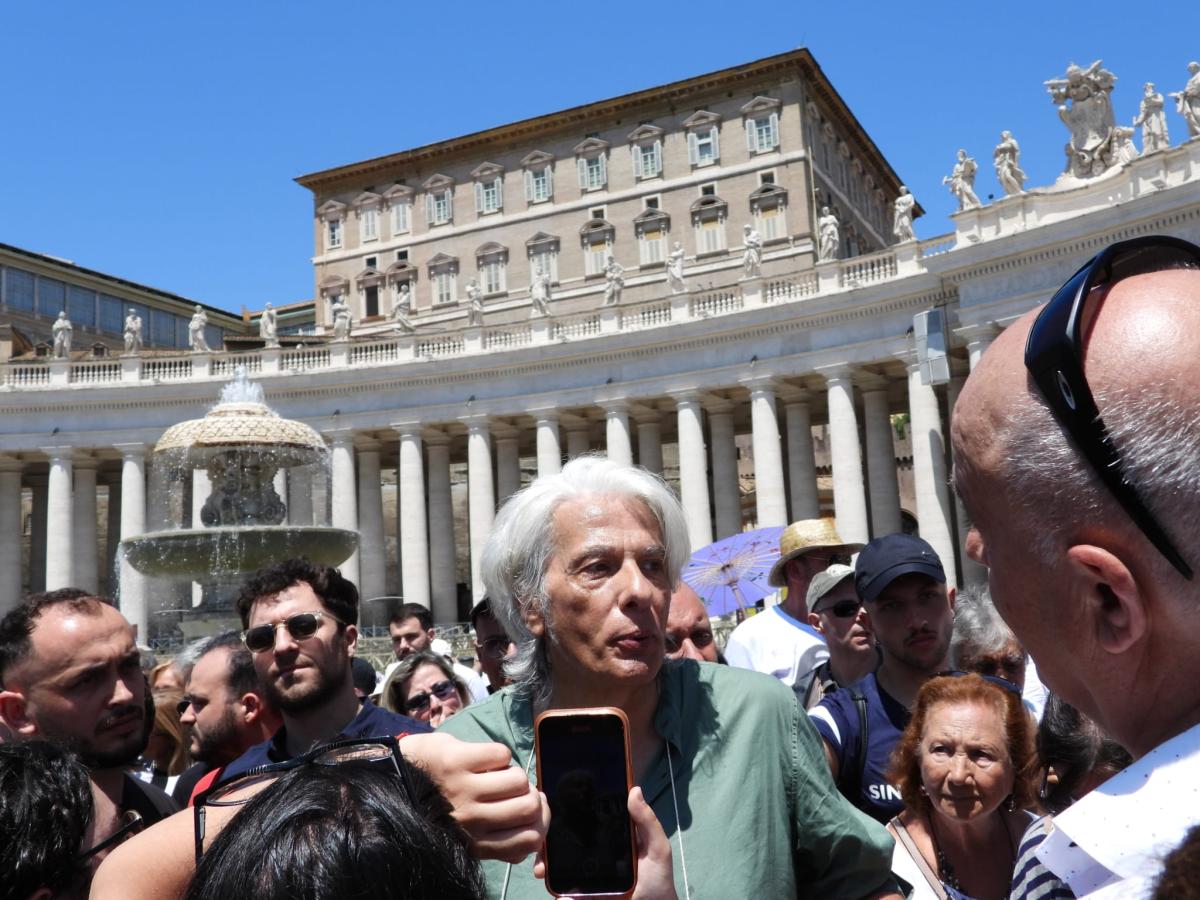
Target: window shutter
[
  {"x": 693, "y": 148},
  {"x": 637, "y": 160},
  {"x": 528, "y": 186},
  {"x": 603, "y": 171},
  {"x": 549, "y": 172},
  {"x": 715, "y": 133},
  {"x": 478, "y": 197},
  {"x": 774, "y": 129},
  {"x": 750, "y": 145},
  {"x": 499, "y": 182},
  {"x": 582, "y": 164},
  {"x": 430, "y": 213},
  {"x": 658, "y": 156}
]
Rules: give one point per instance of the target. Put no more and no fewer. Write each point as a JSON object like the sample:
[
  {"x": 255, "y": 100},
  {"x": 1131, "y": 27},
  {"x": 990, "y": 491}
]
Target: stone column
[
  {"x": 769, "y": 491},
  {"x": 481, "y": 496},
  {"x": 83, "y": 519},
  {"x": 977, "y": 338},
  {"x": 508, "y": 464},
  {"x": 442, "y": 579},
  {"x": 114, "y": 536},
  {"x": 344, "y": 496},
  {"x": 549, "y": 451},
  {"x": 158, "y": 496},
  {"x": 413, "y": 530},
  {"x": 201, "y": 491},
  {"x": 802, "y": 466},
  {"x": 10, "y": 533},
  {"x": 132, "y": 591},
  {"x": 300, "y": 496},
  {"x": 579, "y": 441},
  {"x": 619, "y": 448},
  {"x": 727, "y": 494},
  {"x": 649, "y": 431},
  {"x": 60, "y": 556},
  {"x": 693, "y": 470},
  {"x": 929, "y": 470},
  {"x": 372, "y": 548},
  {"x": 973, "y": 574},
  {"x": 37, "y": 539},
  {"x": 881, "y": 458},
  {"x": 849, "y": 494}
]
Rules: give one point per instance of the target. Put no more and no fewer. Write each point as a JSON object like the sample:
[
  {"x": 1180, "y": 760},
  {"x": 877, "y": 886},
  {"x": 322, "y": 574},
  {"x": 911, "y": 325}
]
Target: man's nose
[
  {"x": 188, "y": 717},
  {"x": 688, "y": 650},
  {"x": 635, "y": 585},
  {"x": 284, "y": 642}
]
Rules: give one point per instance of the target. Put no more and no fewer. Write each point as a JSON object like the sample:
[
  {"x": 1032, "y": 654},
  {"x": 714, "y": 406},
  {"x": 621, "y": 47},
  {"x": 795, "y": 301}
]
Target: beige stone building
[{"x": 765, "y": 145}]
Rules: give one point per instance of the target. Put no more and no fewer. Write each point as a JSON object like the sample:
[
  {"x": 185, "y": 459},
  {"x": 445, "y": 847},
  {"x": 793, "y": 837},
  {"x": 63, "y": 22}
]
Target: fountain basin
[{"x": 200, "y": 553}]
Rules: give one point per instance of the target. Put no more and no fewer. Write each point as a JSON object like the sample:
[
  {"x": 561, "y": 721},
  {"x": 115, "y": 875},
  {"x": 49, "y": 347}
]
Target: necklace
[{"x": 945, "y": 871}]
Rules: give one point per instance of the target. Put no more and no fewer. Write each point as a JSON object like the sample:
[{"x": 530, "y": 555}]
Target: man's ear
[
  {"x": 815, "y": 621},
  {"x": 952, "y": 596},
  {"x": 430, "y": 634},
  {"x": 351, "y": 635},
  {"x": 533, "y": 619},
  {"x": 14, "y": 717},
  {"x": 1116, "y": 609},
  {"x": 252, "y": 706}
]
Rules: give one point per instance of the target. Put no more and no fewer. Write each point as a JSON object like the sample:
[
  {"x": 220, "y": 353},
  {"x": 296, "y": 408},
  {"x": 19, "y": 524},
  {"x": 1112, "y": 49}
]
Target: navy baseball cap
[{"x": 885, "y": 559}]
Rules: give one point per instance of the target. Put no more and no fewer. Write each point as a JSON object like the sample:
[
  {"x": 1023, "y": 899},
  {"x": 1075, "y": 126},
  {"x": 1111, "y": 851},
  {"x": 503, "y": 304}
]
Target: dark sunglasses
[
  {"x": 349, "y": 751},
  {"x": 994, "y": 679},
  {"x": 301, "y": 627},
  {"x": 443, "y": 690},
  {"x": 833, "y": 559},
  {"x": 131, "y": 823},
  {"x": 494, "y": 646},
  {"x": 1054, "y": 358},
  {"x": 843, "y": 609}
]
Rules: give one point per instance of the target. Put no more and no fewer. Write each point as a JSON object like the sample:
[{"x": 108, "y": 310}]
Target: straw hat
[{"x": 803, "y": 536}]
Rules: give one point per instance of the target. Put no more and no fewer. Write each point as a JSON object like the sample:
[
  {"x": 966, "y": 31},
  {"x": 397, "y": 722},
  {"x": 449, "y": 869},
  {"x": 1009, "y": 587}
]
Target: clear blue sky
[{"x": 158, "y": 141}]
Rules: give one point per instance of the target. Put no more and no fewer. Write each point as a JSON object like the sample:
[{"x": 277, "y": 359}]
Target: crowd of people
[{"x": 875, "y": 734}]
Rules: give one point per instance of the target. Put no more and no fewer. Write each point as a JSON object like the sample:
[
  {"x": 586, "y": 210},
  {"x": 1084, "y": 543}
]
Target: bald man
[
  {"x": 1112, "y": 621},
  {"x": 689, "y": 633}
]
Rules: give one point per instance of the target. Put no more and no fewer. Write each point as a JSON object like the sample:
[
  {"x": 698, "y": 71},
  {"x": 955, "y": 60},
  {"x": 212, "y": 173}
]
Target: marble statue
[
  {"x": 539, "y": 293},
  {"x": 474, "y": 304},
  {"x": 62, "y": 336},
  {"x": 902, "y": 216},
  {"x": 1153, "y": 120},
  {"x": 1007, "y": 159},
  {"x": 401, "y": 307},
  {"x": 962, "y": 181},
  {"x": 341, "y": 319},
  {"x": 1085, "y": 107},
  {"x": 196, "y": 339},
  {"x": 829, "y": 236},
  {"x": 1187, "y": 101},
  {"x": 1126, "y": 151},
  {"x": 752, "y": 256},
  {"x": 133, "y": 332},
  {"x": 614, "y": 282},
  {"x": 675, "y": 269},
  {"x": 268, "y": 326}
]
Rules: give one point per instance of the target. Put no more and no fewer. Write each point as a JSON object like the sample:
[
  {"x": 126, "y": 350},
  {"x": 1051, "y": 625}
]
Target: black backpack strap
[{"x": 851, "y": 782}]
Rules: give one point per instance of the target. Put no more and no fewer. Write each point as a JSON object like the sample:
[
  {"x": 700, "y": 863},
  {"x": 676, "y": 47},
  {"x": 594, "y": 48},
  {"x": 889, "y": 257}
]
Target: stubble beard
[
  {"x": 218, "y": 744},
  {"x": 302, "y": 698}
]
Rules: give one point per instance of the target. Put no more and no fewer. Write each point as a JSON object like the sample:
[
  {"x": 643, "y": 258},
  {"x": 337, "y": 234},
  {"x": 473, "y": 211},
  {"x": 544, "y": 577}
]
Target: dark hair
[
  {"x": 17, "y": 625},
  {"x": 1075, "y": 746},
  {"x": 345, "y": 831},
  {"x": 337, "y": 594},
  {"x": 242, "y": 678},
  {"x": 412, "y": 611},
  {"x": 481, "y": 609},
  {"x": 904, "y": 770},
  {"x": 1180, "y": 877},
  {"x": 45, "y": 809}
]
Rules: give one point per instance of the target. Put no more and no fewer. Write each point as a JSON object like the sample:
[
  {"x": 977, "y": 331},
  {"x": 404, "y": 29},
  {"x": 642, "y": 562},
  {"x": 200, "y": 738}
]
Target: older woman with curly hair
[
  {"x": 967, "y": 770},
  {"x": 423, "y": 685}
]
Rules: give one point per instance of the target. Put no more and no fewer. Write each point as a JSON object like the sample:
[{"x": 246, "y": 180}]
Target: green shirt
[{"x": 760, "y": 815}]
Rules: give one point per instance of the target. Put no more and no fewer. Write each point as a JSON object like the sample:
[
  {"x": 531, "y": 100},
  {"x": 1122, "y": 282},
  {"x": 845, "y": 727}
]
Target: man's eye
[
  {"x": 702, "y": 638},
  {"x": 671, "y": 644}
]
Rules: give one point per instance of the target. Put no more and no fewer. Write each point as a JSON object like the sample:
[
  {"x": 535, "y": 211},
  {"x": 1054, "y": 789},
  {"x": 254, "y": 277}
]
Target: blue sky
[{"x": 158, "y": 142}]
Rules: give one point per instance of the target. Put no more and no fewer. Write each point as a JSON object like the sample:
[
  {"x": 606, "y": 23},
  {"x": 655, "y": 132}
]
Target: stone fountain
[{"x": 241, "y": 444}]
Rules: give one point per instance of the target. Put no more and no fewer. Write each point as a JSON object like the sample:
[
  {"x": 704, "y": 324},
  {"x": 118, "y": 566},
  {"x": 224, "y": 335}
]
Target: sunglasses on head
[
  {"x": 843, "y": 609},
  {"x": 993, "y": 679},
  {"x": 443, "y": 690},
  {"x": 1054, "y": 358},
  {"x": 301, "y": 627}
]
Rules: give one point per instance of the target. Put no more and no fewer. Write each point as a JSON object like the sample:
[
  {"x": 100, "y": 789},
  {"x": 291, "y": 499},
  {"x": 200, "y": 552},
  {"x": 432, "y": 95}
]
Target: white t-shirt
[{"x": 774, "y": 643}]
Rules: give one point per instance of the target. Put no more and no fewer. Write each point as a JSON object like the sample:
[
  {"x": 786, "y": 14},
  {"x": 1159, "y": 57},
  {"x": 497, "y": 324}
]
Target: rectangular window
[
  {"x": 81, "y": 307},
  {"x": 371, "y": 300},
  {"x": 333, "y": 234},
  {"x": 703, "y": 147},
  {"x": 437, "y": 207},
  {"x": 766, "y": 177},
  {"x": 18, "y": 289},
  {"x": 593, "y": 173},
  {"x": 651, "y": 246},
  {"x": 595, "y": 257},
  {"x": 400, "y": 216},
  {"x": 51, "y": 297},
  {"x": 647, "y": 159},
  {"x": 215, "y": 337},
  {"x": 370, "y": 225},
  {"x": 112, "y": 315},
  {"x": 547, "y": 261},
  {"x": 771, "y": 223},
  {"x": 443, "y": 287},
  {"x": 162, "y": 328},
  {"x": 401, "y": 256},
  {"x": 181, "y": 331},
  {"x": 708, "y": 190},
  {"x": 710, "y": 236},
  {"x": 491, "y": 274},
  {"x": 538, "y": 184},
  {"x": 652, "y": 202},
  {"x": 489, "y": 195},
  {"x": 762, "y": 134}
]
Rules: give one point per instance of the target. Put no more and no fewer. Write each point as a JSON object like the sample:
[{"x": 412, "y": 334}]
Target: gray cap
[{"x": 824, "y": 582}]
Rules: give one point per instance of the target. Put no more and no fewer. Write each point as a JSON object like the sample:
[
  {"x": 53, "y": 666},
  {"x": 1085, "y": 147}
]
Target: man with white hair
[
  {"x": 580, "y": 567},
  {"x": 1076, "y": 454}
]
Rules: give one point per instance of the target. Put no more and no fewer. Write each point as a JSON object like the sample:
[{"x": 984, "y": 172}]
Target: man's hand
[{"x": 502, "y": 813}]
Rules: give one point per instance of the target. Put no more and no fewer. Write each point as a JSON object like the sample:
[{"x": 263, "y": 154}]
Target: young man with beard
[
  {"x": 902, "y": 584},
  {"x": 70, "y": 671}
]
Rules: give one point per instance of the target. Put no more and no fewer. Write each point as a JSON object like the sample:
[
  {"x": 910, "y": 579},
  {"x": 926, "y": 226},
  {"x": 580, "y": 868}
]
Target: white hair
[
  {"x": 522, "y": 541},
  {"x": 978, "y": 628}
]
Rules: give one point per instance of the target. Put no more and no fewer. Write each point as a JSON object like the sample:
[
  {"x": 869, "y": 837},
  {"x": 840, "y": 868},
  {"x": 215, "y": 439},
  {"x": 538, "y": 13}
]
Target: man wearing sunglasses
[
  {"x": 779, "y": 641},
  {"x": 1075, "y": 455},
  {"x": 910, "y": 610},
  {"x": 837, "y": 613}
]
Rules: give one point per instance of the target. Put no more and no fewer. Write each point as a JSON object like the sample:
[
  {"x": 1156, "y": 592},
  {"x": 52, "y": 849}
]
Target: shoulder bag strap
[{"x": 896, "y": 827}]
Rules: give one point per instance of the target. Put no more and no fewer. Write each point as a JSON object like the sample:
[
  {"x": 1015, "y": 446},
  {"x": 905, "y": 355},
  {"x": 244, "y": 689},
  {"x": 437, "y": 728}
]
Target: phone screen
[{"x": 589, "y": 847}]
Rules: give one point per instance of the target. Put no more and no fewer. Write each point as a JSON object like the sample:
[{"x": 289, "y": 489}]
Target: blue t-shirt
[
  {"x": 371, "y": 721},
  {"x": 836, "y": 719}
]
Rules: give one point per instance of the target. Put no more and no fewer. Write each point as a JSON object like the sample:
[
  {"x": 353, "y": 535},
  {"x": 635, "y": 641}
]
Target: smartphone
[{"x": 584, "y": 769}]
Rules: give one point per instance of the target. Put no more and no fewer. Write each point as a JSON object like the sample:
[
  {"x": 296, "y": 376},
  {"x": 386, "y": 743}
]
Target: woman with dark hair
[
  {"x": 351, "y": 830},
  {"x": 967, "y": 771},
  {"x": 423, "y": 685}
]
